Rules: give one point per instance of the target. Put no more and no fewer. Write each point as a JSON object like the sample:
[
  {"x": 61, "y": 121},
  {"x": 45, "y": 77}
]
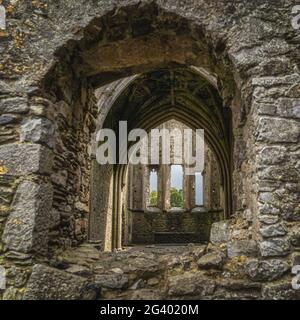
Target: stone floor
[{"x": 144, "y": 272}]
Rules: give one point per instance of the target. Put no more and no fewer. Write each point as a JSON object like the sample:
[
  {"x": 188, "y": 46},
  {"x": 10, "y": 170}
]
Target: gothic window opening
[
  {"x": 153, "y": 187},
  {"x": 176, "y": 191},
  {"x": 199, "y": 189}
]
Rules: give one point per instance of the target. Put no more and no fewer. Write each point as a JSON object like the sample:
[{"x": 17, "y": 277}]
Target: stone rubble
[{"x": 144, "y": 273}]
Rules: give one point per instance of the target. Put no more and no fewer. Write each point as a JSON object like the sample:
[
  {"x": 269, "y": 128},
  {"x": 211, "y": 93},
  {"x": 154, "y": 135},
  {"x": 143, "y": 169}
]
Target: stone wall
[
  {"x": 71, "y": 169},
  {"x": 172, "y": 227}
]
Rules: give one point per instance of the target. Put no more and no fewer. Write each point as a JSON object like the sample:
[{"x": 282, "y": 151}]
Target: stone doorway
[{"x": 190, "y": 101}]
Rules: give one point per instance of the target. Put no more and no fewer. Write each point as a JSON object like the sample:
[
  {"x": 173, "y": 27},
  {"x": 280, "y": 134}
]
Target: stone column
[
  {"x": 164, "y": 187},
  {"x": 25, "y": 168},
  {"x": 276, "y": 114},
  {"x": 266, "y": 156},
  {"x": 277, "y": 139},
  {"x": 100, "y": 220}
]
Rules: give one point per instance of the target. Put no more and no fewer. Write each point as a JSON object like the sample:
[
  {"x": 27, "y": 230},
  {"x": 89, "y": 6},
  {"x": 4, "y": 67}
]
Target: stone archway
[
  {"x": 147, "y": 101},
  {"x": 50, "y": 112}
]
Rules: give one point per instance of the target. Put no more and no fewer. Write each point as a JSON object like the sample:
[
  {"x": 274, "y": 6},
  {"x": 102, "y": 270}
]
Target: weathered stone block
[
  {"x": 272, "y": 155},
  {"x": 7, "y": 118},
  {"x": 242, "y": 247},
  {"x": 27, "y": 226},
  {"x": 274, "y": 247},
  {"x": 279, "y": 173},
  {"x": 211, "y": 260},
  {"x": 239, "y": 285},
  {"x": 268, "y": 219},
  {"x": 278, "y": 130},
  {"x": 266, "y": 269},
  {"x": 79, "y": 270},
  {"x": 144, "y": 266},
  {"x": 219, "y": 232},
  {"x": 24, "y": 159},
  {"x": 13, "y": 105},
  {"x": 248, "y": 57},
  {"x": 266, "y": 197},
  {"x": 266, "y": 109},
  {"x": 39, "y": 130},
  {"x": 268, "y": 82},
  {"x": 273, "y": 230},
  {"x": 289, "y": 108},
  {"x": 268, "y": 209},
  {"x": 190, "y": 284},
  {"x": 112, "y": 281},
  {"x": 47, "y": 283}
]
